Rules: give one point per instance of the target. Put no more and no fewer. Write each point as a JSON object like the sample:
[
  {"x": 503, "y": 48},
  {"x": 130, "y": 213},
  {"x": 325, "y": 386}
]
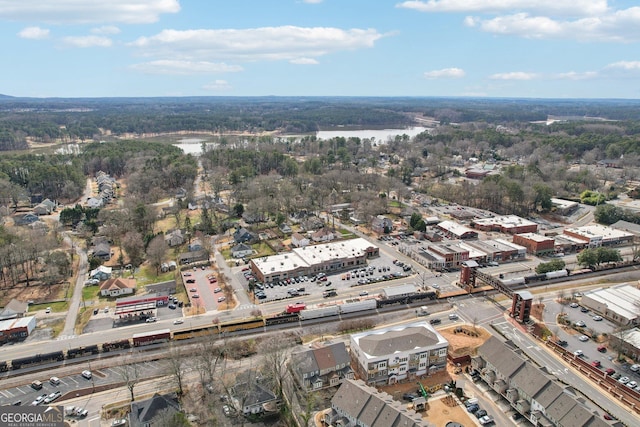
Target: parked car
[
  {"x": 216, "y": 290},
  {"x": 53, "y": 396},
  {"x": 39, "y": 399},
  {"x": 409, "y": 396},
  {"x": 54, "y": 381},
  {"x": 195, "y": 296},
  {"x": 481, "y": 413},
  {"x": 221, "y": 299},
  {"x": 580, "y": 324},
  {"x": 574, "y": 305},
  {"x": 191, "y": 280},
  {"x": 435, "y": 321},
  {"x": 87, "y": 374},
  {"x": 610, "y": 371},
  {"x": 597, "y": 318},
  {"x": 631, "y": 384},
  {"x": 624, "y": 380},
  {"x": 583, "y": 338},
  {"x": 596, "y": 364},
  {"x": 151, "y": 319},
  {"x": 635, "y": 368},
  {"x": 473, "y": 408},
  {"x": 578, "y": 353}
]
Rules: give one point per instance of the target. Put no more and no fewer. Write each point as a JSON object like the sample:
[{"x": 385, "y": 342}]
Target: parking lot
[{"x": 356, "y": 281}]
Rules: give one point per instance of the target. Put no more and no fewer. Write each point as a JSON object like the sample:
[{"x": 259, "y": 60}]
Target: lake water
[{"x": 379, "y": 135}]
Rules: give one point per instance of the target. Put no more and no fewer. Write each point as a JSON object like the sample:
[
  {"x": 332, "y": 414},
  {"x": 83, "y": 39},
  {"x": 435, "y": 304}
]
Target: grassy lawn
[
  {"x": 147, "y": 275},
  {"x": 90, "y": 293},
  {"x": 395, "y": 204},
  {"x": 56, "y": 307},
  {"x": 262, "y": 249}
]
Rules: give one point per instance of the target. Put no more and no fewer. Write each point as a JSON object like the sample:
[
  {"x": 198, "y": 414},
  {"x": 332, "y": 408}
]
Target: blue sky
[{"x": 493, "y": 48}]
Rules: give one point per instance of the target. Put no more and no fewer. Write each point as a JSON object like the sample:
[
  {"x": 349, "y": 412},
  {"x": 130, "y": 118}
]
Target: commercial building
[
  {"x": 564, "y": 207},
  {"x": 597, "y": 235},
  {"x": 389, "y": 355},
  {"x": 310, "y": 260},
  {"x": 511, "y": 224},
  {"x": 16, "y": 329},
  {"x": 457, "y": 231},
  {"x": 617, "y": 303},
  {"x": 536, "y": 244}
]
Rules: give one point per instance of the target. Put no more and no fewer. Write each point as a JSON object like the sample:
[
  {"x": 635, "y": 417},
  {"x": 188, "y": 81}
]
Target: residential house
[
  {"x": 285, "y": 228},
  {"x": 321, "y": 367},
  {"x": 156, "y": 411},
  {"x": 102, "y": 251},
  {"x": 242, "y": 235},
  {"x": 531, "y": 390},
  {"x": 381, "y": 225},
  {"x": 14, "y": 309},
  {"x": 323, "y": 235},
  {"x": 396, "y": 353},
  {"x": 241, "y": 250},
  {"x": 95, "y": 202},
  {"x": 253, "y": 217},
  {"x": 195, "y": 245},
  {"x": 311, "y": 223},
  {"x": 251, "y": 397},
  {"x": 42, "y": 209},
  {"x": 174, "y": 238},
  {"x": 299, "y": 241},
  {"x": 101, "y": 273},
  {"x": 25, "y": 219},
  {"x": 189, "y": 257},
  {"x": 356, "y": 404},
  {"x": 116, "y": 287}
]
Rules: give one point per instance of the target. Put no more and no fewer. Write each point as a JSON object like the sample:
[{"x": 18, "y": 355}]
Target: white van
[
  {"x": 87, "y": 374},
  {"x": 472, "y": 401},
  {"x": 453, "y": 316},
  {"x": 54, "y": 381}
]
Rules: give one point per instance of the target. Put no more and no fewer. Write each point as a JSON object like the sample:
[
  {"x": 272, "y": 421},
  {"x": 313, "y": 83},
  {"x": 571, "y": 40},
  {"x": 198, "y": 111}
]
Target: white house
[
  {"x": 299, "y": 241},
  {"x": 100, "y": 273},
  {"x": 117, "y": 287},
  {"x": 241, "y": 250}
]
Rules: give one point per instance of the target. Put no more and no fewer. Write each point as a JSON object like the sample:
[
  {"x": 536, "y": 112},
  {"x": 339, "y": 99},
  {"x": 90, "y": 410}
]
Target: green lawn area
[
  {"x": 395, "y": 204},
  {"x": 56, "y": 307},
  {"x": 90, "y": 293},
  {"x": 147, "y": 275}
]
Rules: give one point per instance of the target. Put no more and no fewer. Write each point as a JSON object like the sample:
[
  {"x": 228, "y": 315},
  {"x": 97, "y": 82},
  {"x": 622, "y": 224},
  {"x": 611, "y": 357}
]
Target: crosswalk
[{"x": 65, "y": 337}]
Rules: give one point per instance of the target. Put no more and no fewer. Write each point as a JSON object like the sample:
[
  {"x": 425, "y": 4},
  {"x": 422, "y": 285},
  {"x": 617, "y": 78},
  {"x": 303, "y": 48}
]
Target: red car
[
  {"x": 610, "y": 371},
  {"x": 596, "y": 364}
]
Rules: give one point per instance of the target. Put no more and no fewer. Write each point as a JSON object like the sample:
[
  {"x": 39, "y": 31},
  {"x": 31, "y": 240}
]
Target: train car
[
  {"x": 195, "y": 333},
  {"x": 151, "y": 337},
  {"x": 38, "y": 359},
  {"x": 513, "y": 282},
  {"x": 4, "y": 366},
  {"x": 315, "y": 313},
  {"x": 557, "y": 274},
  {"x": 535, "y": 278},
  {"x": 241, "y": 326},
  {"x": 116, "y": 345},
  {"x": 351, "y": 307},
  {"x": 281, "y": 319},
  {"x": 581, "y": 271},
  {"x": 72, "y": 353}
]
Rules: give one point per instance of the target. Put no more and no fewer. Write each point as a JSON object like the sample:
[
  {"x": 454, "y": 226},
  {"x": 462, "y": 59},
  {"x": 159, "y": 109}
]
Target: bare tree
[
  {"x": 156, "y": 252},
  {"x": 130, "y": 374},
  {"x": 275, "y": 353},
  {"x": 177, "y": 367},
  {"x": 209, "y": 358}
]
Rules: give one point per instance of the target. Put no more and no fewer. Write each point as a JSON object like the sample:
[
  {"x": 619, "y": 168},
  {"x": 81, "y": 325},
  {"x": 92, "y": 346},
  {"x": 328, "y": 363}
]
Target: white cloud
[
  {"x": 87, "y": 11},
  {"x": 218, "y": 85},
  {"x": 582, "y": 20},
  {"x": 34, "y": 33},
  {"x": 106, "y": 30},
  {"x": 178, "y": 67},
  {"x": 573, "y": 75},
  {"x": 625, "y": 65},
  {"x": 445, "y": 73},
  {"x": 304, "y": 61},
  {"x": 312, "y": 1},
  {"x": 553, "y": 7},
  {"x": 516, "y": 75},
  {"x": 87, "y": 41},
  {"x": 253, "y": 44}
]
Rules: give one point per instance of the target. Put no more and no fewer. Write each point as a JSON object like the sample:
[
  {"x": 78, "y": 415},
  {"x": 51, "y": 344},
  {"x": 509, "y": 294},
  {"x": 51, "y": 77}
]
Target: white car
[
  {"x": 635, "y": 368},
  {"x": 151, "y": 319},
  {"x": 624, "y": 380},
  {"x": 216, "y": 290},
  {"x": 221, "y": 299},
  {"x": 583, "y": 338},
  {"x": 578, "y": 353},
  {"x": 87, "y": 374},
  {"x": 597, "y": 318},
  {"x": 574, "y": 305},
  {"x": 178, "y": 322},
  {"x": 580, "y": 324},
  {"x": 53, "y": 396},
  {"x": 632, "y": 384}
]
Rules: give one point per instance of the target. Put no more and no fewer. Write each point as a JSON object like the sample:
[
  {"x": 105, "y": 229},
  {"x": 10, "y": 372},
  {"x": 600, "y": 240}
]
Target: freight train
[{"x": 259, "y": 324}]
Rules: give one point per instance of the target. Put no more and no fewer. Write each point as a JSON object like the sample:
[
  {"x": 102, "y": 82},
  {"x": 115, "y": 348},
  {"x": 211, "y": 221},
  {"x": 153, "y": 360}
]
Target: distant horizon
[
  {"x": 490, "y": 49},
  {"x": 18, "y": 97}
]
